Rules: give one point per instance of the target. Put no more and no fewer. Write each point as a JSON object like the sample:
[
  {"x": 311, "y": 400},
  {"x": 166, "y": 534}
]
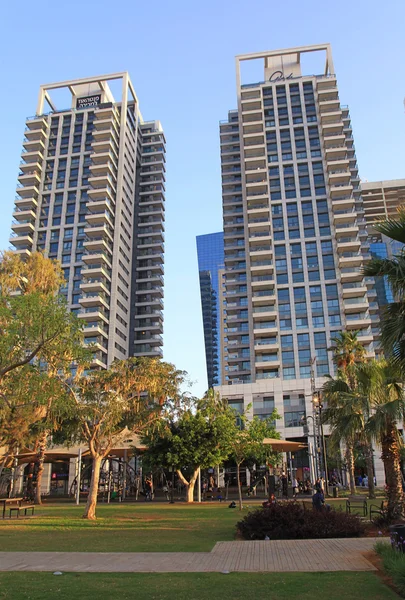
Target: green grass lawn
[
  {"x": 137, "y": 527},
  {"x": 193, "y": 586}
]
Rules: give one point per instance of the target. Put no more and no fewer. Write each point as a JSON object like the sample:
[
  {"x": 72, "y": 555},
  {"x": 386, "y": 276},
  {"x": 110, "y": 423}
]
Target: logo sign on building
[
  {"x": 88, "y": 101},
  {"x": 279, "y": 76}
]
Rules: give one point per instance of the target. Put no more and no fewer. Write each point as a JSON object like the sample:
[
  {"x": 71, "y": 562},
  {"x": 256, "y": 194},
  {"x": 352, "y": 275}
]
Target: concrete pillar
[
  {"x": 46, "y": 479},
  {"x": 72, "y": 472},
  {"x": 378, "y": 467}
]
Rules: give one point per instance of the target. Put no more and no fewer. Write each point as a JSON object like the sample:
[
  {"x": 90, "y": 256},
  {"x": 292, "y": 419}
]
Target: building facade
[
  {"x": 210, "y": 252},
  {"x": 295, "y": 237},
  {"x": 381, "y": 200},
  {"x": 91, "y": 194}
]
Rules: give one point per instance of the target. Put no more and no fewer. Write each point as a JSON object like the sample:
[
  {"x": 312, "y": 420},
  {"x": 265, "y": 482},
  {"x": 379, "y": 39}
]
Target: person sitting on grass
[{"x": 270, "y": 501}]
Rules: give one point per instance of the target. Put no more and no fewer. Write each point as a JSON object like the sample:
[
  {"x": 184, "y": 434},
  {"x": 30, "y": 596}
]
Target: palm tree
[
  {"x": 348, "y": 352},
  {"x": 381, "y": 384},
  {"x": 393, "y": 315},
  {"x": 346, "y": 419}
]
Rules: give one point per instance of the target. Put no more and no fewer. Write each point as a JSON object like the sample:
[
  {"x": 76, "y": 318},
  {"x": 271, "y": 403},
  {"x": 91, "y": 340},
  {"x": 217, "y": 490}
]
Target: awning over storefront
[{"x": 283, "y": 445}]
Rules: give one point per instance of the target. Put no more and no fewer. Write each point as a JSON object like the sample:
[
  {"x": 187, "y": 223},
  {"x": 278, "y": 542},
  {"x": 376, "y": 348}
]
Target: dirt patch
[{"x": 376, "y": 561}]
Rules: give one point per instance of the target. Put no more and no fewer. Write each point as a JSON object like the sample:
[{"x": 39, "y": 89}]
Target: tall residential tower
[
  {"x": 91, "y": 194},
  {"x": 294, "y": 235}
]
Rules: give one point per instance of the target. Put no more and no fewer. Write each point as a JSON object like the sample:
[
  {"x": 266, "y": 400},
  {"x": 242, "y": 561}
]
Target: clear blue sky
[{"x": 180, "y": 56}]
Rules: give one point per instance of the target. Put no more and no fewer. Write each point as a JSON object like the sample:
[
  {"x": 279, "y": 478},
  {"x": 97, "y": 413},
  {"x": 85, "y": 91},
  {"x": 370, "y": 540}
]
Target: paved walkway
[{"x": 253, "y": 557}]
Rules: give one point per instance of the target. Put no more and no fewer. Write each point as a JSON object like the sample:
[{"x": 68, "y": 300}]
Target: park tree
[
  {"x": 247, "y": 444},
  {"x": 34, "y": 321},
  {"x": 111, "y": 406},
  {"x": 199, "y": 436}
]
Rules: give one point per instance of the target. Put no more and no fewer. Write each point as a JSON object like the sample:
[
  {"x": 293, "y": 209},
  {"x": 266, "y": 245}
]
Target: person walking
[{"x": 295, "y": 487}]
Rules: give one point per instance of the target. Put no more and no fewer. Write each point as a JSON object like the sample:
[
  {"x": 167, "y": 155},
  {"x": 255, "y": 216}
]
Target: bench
[
  {"x": 357, "y": 502},
  {"x": 21, "y": 507},
  {"x": 378, "y": 509}
]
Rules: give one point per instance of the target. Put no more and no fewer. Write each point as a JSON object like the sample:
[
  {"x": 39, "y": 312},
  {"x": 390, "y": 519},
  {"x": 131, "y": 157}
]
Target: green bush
[
  {"x": 394, "y": 564},
  {"x": 290, "y": 521}
]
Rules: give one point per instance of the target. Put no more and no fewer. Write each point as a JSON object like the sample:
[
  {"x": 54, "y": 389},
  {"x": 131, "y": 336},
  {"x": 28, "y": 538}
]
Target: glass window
[
  {"x": 303, "y": 340},
  {"x": 320, "y": 339},
  {"x": 285, "y": 323},
  {"x": 318, "y": 321},
  {"x": 331, "y": 291},
  {"x": 286, "y": 341},
  {"x": 296, "y": 249},
  {"x": 301, "y": 322},
  {"x": 53, "y": 247},
  {"x": 305, "y": 372},
  {"x": 298, "y": 277},
  {"x": 288, "y": 373}
]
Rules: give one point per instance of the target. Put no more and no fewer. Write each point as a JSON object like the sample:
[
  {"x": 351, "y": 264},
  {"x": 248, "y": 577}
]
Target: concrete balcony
[
  {"x": 27, "y": 203},
  {"x": 344, "y": 216},
  {"x": 21, "y": 240},
  {"x": 352, "y": 244},
  {"x": 23, "y": 252},
  {"x": 95, "y": 271},
  {"x": 29, "y": 167},
  {"x": 101, "y": 218},
  {"x": 339, "y": 176},
  {"x": 95, "y": 330},
  {"x": 37, "y": 122},
  {"x": 97, "y": 257},
  {"x": 24, "y": 215},
  {"x": 29, "y": 178},
  {"x": 267, "y": 363},
  {"x": 346, "y": 230},
  {"x": 354, "y": 305},
  {"x": 98, "y": 245},
  {"x": 94, "y": 299},
  {"x": 103, "y": 146},
  {"x": 34, "y": 145},
  {"x": 99, "y": 205},
  {"x": 28, "y": 191},
  {"x": 335, "y": 150},
  {"x": 351, "y": 275},
  {"x": 329, "y": 105},
  {"x": 94, "y": 313},
  {"x": 35, "y": 135},
  {"x": 99, "y": 231},
  {"x": 263, "y": 331},
  {"x": 340, "y": 189},
  {"x": 95, "y": 285},
  {"x": 351, "y": 261},
  {"x": 98, "y": 363},
  {"x": 99, "y": 193},
  {"x": 22, "y": 227},
  {"x": 259, "y": 315}
]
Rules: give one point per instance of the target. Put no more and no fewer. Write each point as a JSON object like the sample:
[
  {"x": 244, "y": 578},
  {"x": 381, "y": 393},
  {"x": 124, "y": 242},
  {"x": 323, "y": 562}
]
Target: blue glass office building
[{"x": 210, "y": 251}]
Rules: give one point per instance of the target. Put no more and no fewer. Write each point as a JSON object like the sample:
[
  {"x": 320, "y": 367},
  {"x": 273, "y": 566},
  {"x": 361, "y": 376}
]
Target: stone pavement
[{"x": 258, "y": 556}]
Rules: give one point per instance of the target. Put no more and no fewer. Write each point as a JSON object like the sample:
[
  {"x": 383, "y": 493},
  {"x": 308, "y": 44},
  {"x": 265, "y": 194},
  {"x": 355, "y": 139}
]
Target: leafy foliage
[{"x": 290, "y": 521}]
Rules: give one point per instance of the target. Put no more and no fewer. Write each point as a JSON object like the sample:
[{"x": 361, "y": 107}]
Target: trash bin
[
  {"x": 335, "y": 491},
  {"x": 397, "y": 535}
]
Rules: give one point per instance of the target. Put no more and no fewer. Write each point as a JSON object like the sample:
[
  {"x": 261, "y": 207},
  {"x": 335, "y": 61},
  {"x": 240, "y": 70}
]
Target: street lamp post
[
  {"x": 317, "y": 408},
  {"x": 313, "y": 454}
]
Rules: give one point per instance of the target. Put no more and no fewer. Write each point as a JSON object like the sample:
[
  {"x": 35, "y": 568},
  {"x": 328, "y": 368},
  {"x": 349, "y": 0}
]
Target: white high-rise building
[
  {"x": 294, "y": 236},
  {"x": 91, "y": 194}
]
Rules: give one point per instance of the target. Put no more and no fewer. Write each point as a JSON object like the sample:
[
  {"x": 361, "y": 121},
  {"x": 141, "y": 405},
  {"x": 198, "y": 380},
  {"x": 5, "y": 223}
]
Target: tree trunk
[
  {"x": 350, "y": 467},
  {"x": 40, "y": 462},
  {"x": 368, "y": 449},
  {"x": 392, "y": 467},
  {"x": 239, "y": 486},
  {"x": 189, "y": 484},
  {"x": 90, "y": 512}
]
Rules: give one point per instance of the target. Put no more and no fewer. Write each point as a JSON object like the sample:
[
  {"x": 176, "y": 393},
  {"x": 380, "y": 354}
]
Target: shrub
[
  {"x": 394, "y": 565},
  {"x": 290, "y": 521}
]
